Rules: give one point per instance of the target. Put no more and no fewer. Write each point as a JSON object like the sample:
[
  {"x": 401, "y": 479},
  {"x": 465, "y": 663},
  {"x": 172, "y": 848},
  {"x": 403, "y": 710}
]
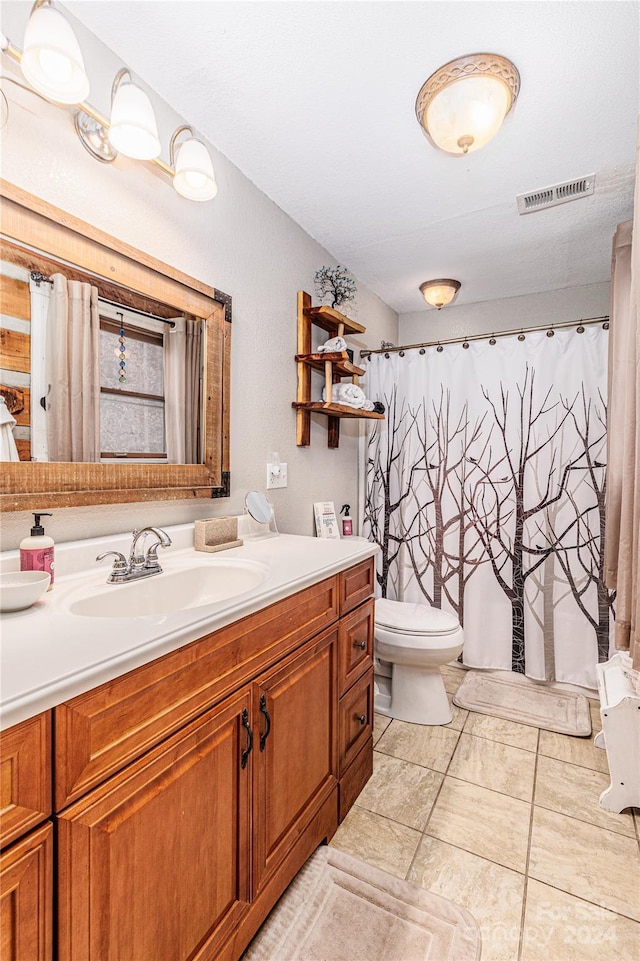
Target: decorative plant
[{"x": 335, "y": 282}]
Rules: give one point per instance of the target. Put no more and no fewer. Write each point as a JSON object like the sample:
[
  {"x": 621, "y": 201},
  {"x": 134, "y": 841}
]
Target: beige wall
[
  {"x": 532, "y": 310},
  {"x": 241, "y": 243}
]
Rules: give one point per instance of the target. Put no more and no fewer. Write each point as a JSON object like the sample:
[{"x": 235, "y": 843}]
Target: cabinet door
[
  {"x": 26, "y": 891},
  {"x": 155, "y": 862},
  {"x": 296, "y": 756},
  {"x": 25, "y": 782}
]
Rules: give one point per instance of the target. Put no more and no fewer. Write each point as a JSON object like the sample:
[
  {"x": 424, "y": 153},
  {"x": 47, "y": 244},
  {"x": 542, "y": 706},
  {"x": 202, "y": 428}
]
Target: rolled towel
[
  {"x": 368, "y": 405},
  {"x": 349, "y": 394},
  {"x": 334, "y": 346}
]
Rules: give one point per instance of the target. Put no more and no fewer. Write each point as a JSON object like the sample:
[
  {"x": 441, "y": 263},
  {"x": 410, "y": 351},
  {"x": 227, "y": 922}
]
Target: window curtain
[
  {"x": 622, "y": 537},
  {"x": 182, "y": 367},
  {"x": 73, "y": 372},
  {"x": 485, "y": 491}
]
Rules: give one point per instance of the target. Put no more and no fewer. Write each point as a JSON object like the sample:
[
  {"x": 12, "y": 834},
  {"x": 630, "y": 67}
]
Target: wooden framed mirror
[{"x": 37, "y": 237}]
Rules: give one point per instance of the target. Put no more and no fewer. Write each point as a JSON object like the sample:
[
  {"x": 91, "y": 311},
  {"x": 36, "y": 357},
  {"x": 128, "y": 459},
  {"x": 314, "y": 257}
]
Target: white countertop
[{"x": 48, "y": 654}]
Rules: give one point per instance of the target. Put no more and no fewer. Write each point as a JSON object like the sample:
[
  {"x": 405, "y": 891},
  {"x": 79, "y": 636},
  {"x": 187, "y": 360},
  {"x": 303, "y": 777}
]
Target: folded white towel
[
  {"x": 368, "y": 405},
  {"x": 349, "y": 394},
  {"x": 335, "y": 345}
]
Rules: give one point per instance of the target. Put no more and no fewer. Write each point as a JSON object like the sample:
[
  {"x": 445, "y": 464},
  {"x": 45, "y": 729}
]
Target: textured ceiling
[{"x": 314, "y": 102}]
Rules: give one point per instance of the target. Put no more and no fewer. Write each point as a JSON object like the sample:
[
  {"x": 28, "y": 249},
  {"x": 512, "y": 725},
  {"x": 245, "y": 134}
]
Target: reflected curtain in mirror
[
  {"x": 182, "y": 377},
  {"x": 73, "y": 372}
]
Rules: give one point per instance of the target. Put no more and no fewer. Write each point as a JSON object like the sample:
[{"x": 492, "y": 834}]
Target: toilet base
[{"x": 416, "y": 695}]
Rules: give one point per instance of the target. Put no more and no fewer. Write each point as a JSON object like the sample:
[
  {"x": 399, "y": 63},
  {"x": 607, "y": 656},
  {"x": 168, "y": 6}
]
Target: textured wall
[
  {"x": 532, "y": 310},
  {"x": 241, "y": 243}
]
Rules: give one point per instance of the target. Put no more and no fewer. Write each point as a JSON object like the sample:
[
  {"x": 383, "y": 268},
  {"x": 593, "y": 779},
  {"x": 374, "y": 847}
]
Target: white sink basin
[{"x": 173, "y": 590}]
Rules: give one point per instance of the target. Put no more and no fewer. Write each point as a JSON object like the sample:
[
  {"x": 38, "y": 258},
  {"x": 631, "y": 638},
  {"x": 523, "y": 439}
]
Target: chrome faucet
[{"x": 140, "y": 564}]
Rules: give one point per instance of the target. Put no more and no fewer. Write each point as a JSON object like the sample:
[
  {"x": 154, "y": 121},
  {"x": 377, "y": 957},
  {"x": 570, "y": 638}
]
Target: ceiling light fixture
[
  {"x": 194, "y": 177},
  {"x": 52, "y": 64},
  {"x": 133, "y": 130},
  {"x": 439, "y": 293},
  {"x": 462, "y": 105},
  {"x": 51, "y": 61}
]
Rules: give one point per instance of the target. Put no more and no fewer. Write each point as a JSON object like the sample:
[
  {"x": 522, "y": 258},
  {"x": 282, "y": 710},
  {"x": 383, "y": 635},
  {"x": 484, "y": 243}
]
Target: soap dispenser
[
  {"x": 347, "y": 522},
  {"x": 36, "y": 551}
]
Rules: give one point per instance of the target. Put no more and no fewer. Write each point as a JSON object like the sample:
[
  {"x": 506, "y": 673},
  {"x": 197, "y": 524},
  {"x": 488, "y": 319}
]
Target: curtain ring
[
  {"x": 401, "y": 352},
  {"x": 492, "y": 341},
  {"x": 387, "y": 356},
  {"x": 465, "y": 345},
  {"x": 580, "y": 329},
  {"x": 605, "y": 326},
  {"x": 550, "y": 333},
  {"x": 439, "y": 348},
  {"x": 422, "y": 350},
  {"x": 521, "y": 337}
]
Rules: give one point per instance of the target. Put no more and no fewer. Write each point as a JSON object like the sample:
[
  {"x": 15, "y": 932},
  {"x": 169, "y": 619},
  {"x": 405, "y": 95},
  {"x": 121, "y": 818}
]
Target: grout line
[{"x": 528, "y": 857}]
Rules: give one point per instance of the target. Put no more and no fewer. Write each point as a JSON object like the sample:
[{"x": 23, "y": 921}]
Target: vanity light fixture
[
  {"x": 194, "y": 177},
  {"x": 461, "y": 106},
  {"x": 51, "y": 61},
  {"x": 52, "y": 64},
  {"x": 439, "y": 293},
  {"x": 133, "y": 130}
]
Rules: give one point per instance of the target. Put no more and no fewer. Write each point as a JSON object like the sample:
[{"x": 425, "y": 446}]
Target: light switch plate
[{"x": 276, "y": 480}]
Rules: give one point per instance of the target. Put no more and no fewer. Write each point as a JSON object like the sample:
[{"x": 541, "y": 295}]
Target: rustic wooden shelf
[
  {"x": 337, "y": 410},
  {"x": 332, "y": 320},
  {"x": 334, "y": 366},
  {"x": 340, "y": 361}
]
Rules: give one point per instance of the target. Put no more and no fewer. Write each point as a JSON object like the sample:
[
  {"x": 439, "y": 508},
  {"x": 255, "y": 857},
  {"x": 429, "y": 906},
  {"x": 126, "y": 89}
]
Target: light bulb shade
[
  {"x": 51, "y": 61},
  {"x": 439, "y": 293},
  {"x": 133, "y": 130},
  {"x": 462, "y": 105},
  {"x": 194, "y": 177}
]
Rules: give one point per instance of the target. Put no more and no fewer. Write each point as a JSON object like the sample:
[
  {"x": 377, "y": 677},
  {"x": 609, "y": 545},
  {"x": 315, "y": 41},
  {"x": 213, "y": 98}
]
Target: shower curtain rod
[{"x": 500, "y": 333}]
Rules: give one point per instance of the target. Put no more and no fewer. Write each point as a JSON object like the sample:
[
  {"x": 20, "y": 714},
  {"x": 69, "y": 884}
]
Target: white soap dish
[{"x": 21, "y": 589}]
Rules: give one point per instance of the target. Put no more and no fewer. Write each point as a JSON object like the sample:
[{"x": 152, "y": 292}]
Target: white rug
[
  {"x": 518, "y": 698},
  {"x": 340, "y": 909}
]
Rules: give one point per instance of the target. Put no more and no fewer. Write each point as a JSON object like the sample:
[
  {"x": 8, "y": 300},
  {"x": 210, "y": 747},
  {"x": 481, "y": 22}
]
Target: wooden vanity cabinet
[
  {"x": 190, "y": 791},
  {"x": 26, "y": 837}
]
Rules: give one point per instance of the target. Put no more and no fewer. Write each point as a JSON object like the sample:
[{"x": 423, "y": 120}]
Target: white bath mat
[
  {"x": 518, "y": 698},
  {"x": 340, "y": 909}
]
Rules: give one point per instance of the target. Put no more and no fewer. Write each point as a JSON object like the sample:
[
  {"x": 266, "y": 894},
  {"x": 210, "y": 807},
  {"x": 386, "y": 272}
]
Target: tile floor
[{"x": 504, "y": 819}]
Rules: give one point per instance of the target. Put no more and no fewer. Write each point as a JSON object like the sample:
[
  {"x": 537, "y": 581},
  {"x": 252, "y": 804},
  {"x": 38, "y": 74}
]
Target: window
[{"x": 132, "y": 406}]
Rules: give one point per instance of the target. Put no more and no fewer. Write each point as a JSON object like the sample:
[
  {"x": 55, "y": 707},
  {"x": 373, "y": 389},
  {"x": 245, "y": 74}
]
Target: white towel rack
[{"x": 620, "y": 734}]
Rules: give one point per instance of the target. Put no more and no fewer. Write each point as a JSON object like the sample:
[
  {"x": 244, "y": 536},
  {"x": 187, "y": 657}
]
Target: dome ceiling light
[
  {"x": 439, "y": 293},
  {"x": 462, "y": 105}
]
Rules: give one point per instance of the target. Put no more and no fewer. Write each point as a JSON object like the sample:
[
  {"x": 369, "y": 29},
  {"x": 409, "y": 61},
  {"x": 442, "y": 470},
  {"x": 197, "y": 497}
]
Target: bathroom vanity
[{"x": 186, "y": 792}]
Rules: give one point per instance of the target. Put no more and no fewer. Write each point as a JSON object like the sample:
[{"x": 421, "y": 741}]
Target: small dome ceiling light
[
  {"x": 461, "y": 106},
  {"x": 51, "y": 60},
  {"x": 439, "y": 293}
]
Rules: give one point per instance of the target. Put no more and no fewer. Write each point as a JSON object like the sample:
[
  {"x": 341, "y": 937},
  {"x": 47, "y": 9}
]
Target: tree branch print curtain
[{"x": 485, "y": 492}]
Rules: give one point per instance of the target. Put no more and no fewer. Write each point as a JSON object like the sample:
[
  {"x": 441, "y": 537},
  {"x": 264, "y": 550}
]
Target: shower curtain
[{"x": 485, "y": 492}]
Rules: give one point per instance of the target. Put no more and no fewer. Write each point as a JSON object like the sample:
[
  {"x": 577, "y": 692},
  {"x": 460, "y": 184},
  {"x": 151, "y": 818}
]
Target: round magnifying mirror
[{"x": 258, "y": 507}]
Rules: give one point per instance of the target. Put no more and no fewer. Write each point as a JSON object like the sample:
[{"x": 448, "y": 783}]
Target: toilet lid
[{"x": 408, "y": 618}]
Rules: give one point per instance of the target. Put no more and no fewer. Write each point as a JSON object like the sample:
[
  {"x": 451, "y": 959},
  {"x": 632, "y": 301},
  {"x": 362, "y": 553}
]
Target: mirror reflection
[{"x": 112, "y": 379}]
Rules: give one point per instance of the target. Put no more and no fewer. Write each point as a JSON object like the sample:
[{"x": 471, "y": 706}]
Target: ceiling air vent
[{"x": 556, "y": 194}]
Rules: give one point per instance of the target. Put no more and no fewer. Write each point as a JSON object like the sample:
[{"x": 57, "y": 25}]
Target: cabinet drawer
[
  {"x": 26, "y": 897},
  {"x": 355, "y": 644},
  {"x": 356, "y": 585},
  {"x": 356, "y": 719},
  {"x": 25, "y": 763},
  {"x": 98, "y": 733},
  {"x": 355, "y": 778}
]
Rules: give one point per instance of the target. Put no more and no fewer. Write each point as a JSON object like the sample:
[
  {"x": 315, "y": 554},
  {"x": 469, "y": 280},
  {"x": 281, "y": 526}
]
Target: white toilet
[{"x": 412, "y": 641}]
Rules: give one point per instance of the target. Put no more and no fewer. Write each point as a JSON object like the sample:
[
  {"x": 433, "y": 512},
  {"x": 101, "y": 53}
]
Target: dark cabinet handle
[
  {"x": 362, "y": 718},
  {"x": 245, "y": 724},
  {"x": 361, "y": 644},
  {"x": 263, "y": 710}
]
